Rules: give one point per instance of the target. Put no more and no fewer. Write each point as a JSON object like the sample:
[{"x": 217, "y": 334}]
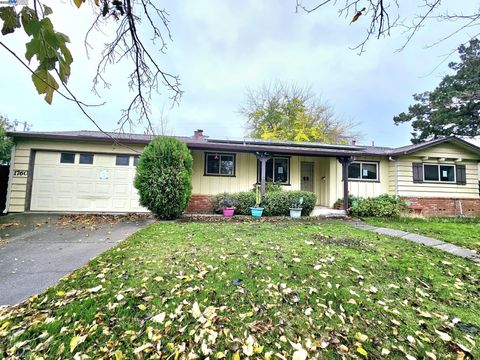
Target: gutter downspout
[{"x": 10, "y": 179}]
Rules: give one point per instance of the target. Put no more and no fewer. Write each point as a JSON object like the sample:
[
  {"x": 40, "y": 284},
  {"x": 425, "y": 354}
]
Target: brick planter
[
  {"x": 200, "y": 204},
  {"x": 444, "y": 206}
]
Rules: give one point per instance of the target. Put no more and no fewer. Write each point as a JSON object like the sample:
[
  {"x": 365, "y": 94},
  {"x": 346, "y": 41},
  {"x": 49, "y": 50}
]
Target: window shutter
[
  {"x": 417, "y": 172},
  {"x": 461, "y": 175}
]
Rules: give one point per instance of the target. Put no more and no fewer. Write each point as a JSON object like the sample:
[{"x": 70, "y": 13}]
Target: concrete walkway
[{"x": 420, "y": 239}]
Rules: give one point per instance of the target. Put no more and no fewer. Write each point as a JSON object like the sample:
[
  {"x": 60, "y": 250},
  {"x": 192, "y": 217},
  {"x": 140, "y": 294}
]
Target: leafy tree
[
  {"x": 48, "y": 49},
  {"x": 453, "y": 107},
  {"x": 164, "y": 177},
  {"x": 287, "y": 112},
  {"x": 6, "y": 142}
]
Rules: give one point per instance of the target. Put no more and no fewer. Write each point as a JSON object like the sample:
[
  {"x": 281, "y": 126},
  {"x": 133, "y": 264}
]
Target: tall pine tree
[{"x": 453, "y": 107}]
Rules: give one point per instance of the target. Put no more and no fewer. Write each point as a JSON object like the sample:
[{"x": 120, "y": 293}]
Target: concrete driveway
[{"x": 37, "y": 250}]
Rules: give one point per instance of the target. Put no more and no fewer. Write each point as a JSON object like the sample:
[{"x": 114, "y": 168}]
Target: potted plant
[
  {"x": 228, "y": 204},
  {"x": 296, "y": 209},
  {"x": 257, "y": 210}
]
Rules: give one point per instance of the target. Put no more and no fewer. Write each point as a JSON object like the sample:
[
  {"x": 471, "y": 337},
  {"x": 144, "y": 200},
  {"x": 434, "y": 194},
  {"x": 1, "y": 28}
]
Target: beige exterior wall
[
  {"x": 445, "y": 153},
  {"x": 359, "y": 188},
  {"x": 246, "y": 175},
  {"x": 23, "y": 147}
]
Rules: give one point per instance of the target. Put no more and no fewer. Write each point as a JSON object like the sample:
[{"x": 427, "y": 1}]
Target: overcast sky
[{"x": 222, "y": 47}]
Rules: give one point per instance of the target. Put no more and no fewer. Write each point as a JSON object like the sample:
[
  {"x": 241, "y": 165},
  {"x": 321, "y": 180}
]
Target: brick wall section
[
  {"x": 445, "y": 206},
  {"x": 200, "y": 204}
]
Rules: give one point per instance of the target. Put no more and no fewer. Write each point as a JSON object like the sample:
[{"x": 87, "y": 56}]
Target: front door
[{"x": 306, "y": 174}]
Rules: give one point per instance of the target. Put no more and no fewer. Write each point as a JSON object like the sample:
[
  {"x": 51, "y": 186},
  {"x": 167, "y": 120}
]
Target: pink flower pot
[{"x": 228, "y": 212}]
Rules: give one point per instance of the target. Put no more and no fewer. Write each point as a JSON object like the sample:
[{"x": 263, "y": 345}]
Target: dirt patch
[
  {"x": 328, "y": 240},
  {"x": 93, "y": 221}
]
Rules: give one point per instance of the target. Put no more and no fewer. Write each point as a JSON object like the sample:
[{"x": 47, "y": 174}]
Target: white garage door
[{"x": 84, "y": 182}]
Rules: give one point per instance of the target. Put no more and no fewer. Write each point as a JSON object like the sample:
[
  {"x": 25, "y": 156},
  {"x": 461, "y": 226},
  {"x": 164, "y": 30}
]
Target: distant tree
[
  {"x": 282, "y": 111},
  {"x": 453, "y": 107}
]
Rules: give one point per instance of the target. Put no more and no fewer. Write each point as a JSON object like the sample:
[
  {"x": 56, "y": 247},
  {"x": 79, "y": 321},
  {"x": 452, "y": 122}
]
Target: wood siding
[{"x": 452, "y": 154}]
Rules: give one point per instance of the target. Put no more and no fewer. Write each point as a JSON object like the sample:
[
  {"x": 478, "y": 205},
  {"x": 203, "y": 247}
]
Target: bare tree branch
[{"x": 384, "y": 18}]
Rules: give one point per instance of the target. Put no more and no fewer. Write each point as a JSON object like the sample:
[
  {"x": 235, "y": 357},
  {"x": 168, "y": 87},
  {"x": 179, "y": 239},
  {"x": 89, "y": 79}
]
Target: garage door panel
[
  {"x": 44, "y": 172},
  {"x": 121, "y": 174},
  {"x": 104, "y": 160},
  {"x": 44, "y": 187},
  {"x": 86, "y": 172},
  {"x": 64, "y": 172},
  {"x": 62, "y": 187},
  {"x": 103, "y": 189},
  {"x": 47, "y": 157},
  {"x": 83, "y": 187}
]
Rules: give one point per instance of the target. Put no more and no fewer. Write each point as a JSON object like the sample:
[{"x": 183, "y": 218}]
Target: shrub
[
  {"x": 275, "y": 203},
  {"x": 164, "y": 177},
  {"x": 225, "y": 200},
  {"x": 270, "y": 186},
  {"x": 380, "y": 206},
  {"x": 278, "y": 203},
  {"x": 351, "y": 200},
  {"x": 243, "y": 200}
]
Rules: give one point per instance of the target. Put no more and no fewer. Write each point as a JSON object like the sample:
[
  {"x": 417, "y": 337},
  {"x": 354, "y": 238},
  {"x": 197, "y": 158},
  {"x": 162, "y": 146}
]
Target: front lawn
[
  {"x": 260, "y": 290},
  {"x": 459, "y": 231}
]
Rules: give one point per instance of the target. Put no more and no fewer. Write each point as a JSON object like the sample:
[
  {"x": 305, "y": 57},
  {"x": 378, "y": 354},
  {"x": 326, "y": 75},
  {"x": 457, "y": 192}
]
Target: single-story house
[{"x": 75, "y": 171}]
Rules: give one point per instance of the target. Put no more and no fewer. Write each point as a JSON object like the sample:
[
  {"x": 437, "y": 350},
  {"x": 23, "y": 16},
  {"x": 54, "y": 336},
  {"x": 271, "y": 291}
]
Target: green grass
[
  {"x": 325, "y": 288},
  {"x": 459, "y": 231}
]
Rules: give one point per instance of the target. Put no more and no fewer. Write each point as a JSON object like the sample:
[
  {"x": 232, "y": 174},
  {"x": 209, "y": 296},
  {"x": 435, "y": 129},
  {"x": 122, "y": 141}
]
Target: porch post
[
  {"x": 345, "y": 161},
  {"x": 263, "y": 158}
]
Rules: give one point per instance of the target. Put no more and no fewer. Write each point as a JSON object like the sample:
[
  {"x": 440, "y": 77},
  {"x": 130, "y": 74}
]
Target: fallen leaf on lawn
[
  {"x": 141, "y": 348},
  {"x": 410, "y": 357},
  {"x": 75, "y": 341},
  {"x": 431, "y": 355},
  {"x": 118, "y": 355},
  {"x": 362, "y": 351},
  {"x": 385, "y": 351},
  {"x": 196, "y": 310},
  {"x": 300, "y": 354},
  {"x": 297, "y": 260},
  {"x": 373, "y": 289},
  {"x": 4, "y": 325},
  {"x": 142, "y": 307},
  {"x": 361, "y": 337},
  {"x": 60, "y": 293},
  {"x": 159, "y": 318},
  {"x": 444, "y": 336},
  {"x": 95, "y": 289},
  {"x": 236, "y": 356}
]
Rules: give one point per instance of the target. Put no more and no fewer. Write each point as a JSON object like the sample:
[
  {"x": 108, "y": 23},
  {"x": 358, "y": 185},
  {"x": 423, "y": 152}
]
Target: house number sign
[{"x": 20, "y": 173}]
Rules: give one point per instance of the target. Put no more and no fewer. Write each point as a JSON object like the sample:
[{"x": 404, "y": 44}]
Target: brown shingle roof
[{"x": 246, "y": 145}]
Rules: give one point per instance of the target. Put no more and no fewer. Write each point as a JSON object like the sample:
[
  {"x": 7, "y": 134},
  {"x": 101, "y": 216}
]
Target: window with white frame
[
  {"x": 439, "y": 172},
  {"x": 362, "y": 170},
  {"x": 220, "y": 164},
  {"x": 277, "y": 169}
]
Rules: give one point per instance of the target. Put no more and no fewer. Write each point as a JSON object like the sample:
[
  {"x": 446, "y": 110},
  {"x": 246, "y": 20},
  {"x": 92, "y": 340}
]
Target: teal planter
[
  {"x": 295, "y": 213},
  {"x": 256, "y": 212}
]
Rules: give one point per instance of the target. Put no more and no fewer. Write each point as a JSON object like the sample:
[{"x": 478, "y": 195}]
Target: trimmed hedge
[
  {"x": 380, "y": 206},
  {"x": 275, "y": 203},
  {"x": 164, "y": 177}
]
